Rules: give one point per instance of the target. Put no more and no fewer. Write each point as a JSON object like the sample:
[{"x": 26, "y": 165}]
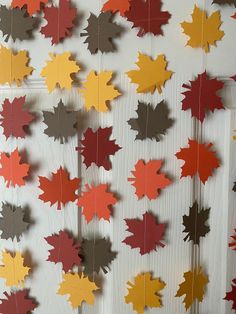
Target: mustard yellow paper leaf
[
  {"x": 203, "y": 31},
  {"x": 14, "y": 67},
  {"x": 144, "y": 292},
  {"x": 193, "y": 287},
  {"x": 58, "y": 71},
  {"x": 79, "y": 288},
  {"x": 13, "y": 269},
  {"x": 97, "y": 91},
  {"x": 152, "y": 74}
]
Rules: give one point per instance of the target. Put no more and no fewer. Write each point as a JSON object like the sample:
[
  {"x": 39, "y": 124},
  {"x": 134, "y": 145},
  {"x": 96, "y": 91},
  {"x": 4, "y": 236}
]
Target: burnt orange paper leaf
[
  {"x": 147, "y": 179},
  {"x": 32, "y": 6},
  {"x": 199, "y": 159},
  {"x": 59, "y": 189},
  {"x": 232, "y": 244},
  {"x": 117, "y": 5},
  {"x": 12, "y": 170}
]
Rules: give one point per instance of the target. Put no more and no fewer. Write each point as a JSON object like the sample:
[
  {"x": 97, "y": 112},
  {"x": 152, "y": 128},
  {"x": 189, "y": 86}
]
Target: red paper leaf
[
  {"x": 147, "y": 233},
  {"x": 233, "y": 243},
  {"x": 32, "y": 6},
  {"x": 65, "y": 250},
  {"x": 233, "y": 77},
  {"x": 97, "y": 147},
  {"x": 201, "y": 95},
  {"x": 231, "y": 296},
  {"x": 117, "y": 5},
  {"x": 234, "y": 16},
  {"x": 59, "y": 189},
  {"x": 60, "y": 21},
  {"x": 147, "y": 16},
  {"x": 96, "y": 201},
  {"x": 17, "y": 302},
  {"x": 199, "y": 159},
  {"x": 15, "y": 118},
  {"x": 147, "y": 179}
]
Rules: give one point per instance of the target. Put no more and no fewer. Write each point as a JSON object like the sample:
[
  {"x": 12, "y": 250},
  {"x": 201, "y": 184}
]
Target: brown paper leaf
[{"x": 221, "y": 2}]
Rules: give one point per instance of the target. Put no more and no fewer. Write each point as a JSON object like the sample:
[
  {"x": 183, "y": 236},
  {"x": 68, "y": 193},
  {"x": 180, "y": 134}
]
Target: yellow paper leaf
[
  {"x": 14, "y": 67},
  {"x": 58, "y": 71},
  {"x": 144, "y": 292},
  {"x": 152, "y": 74},
  {"x": 96, "y": 92},
  {"x": 193, "y": 287},
  {"x": 79, "y": 288},
  {"x": 203, "y": 31},
  {"x": 13, "y": 269}
]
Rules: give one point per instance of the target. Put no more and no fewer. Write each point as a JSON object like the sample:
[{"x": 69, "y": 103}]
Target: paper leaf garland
[
  {"x": 12, "y": 170},
  {"x": 65, "y": 250},
  {"x": 195, "y": 223},
  {"x": 100, "y": 32},
  {"x": 13, "y": 222},
  {"x": 147, "y": 233},
  {"x": 152, "y": 74},
  {"x": 221, "y": 2},
  {"x": 79, "y": 289},
  {"x": 117, "y": 5},
  {"x": 60, "y": 21},
  {"x": 59, "y": 70},
  {"x": 61, "y": 124},
  {"x": 147, "y": 179},
  {"x": 59, "y": 189},
  {"x": 151, "y": 122},
  {"x": 147, "y": 16},
  {"x": 97, "y": 147},
  {"x": 193, "y": 287},
  {"x": 32, "y": 6},
  {"x": 199, "y": 159},
  {"x": 13, "y": 269},
  {"x": 97, "y": 255},
  {"x": 15, "y": 118},
  {"x": 97, "y": 91},
  {"x": 15, "y": 23},
  {"x": 203, "y": 31},
  {"x": 233, "y": 243},
  {"x": 144, "y": 292},
  {"x": 17, "y": 302},
  {"x": 96, "y": 201},
  {"x": 14, "y": 66},
  {"x": 231, "y": 295},
  {"x": 201, "y": 95}
]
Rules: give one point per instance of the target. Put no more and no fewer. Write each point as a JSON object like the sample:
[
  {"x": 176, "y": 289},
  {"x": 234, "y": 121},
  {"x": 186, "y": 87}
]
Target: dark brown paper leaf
[
  {"x": 234, "y": 187},
  {"x": 61, "y": 124},
  {"x": 152, "y": 122},
  {"x": 16, "y": 23},
  {"x": 100, "y": 32},
  {"x": 225, "y": 2}
]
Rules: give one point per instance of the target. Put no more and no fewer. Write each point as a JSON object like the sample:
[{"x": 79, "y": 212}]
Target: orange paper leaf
[
  {"x": 117, "y": 5},
  {"x": 32, "y": 6}
]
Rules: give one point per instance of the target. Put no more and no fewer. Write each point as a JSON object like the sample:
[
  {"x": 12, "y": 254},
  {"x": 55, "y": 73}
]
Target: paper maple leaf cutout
[
  {"x": 17, "y": 302},
  {"x": 193, "y": 287},
  {"x": 97, "y": 147},
  {"x": 79, "y": 288},
  {"x": 234, "y": 187},
  {"x": 201, "y": 95},
  {"x": 12, "y": 222},
  {"x": 58, "y": 71},
  {"x": 117, "y": 5},
  {"x": 195, "y": 223},
  {"x": 147, "y": 179},
  {"x": 96, "y": 201},
  {"x": 60, "y": 21},
  {"x": 15, "y": 118},
  {"x": 14, "y": 66},
  {"x": 65, "y": 250},
  {"x": 199, "y": 159},
  {"x": 233, "y": 243},
  {"x": 231, "y": 296},
  {"x": 100, "y": 32},
  {"x": 61, "y": 124},
  {"x": 97, "y": 91},
  {"x": 15, "y": 23},
  {"x": 147, "y": 233},
  {"x": 152, "y": 122},
  {"x": 224, "y": 2},
  {"x": 152, "y": 74},
  {"x": 32, "y": 6},
  {"x": 203, "y": 31},
  {"x": 12, "y": 170},
  {"x": 59, "y": 189},
  {"x": 147, "y": 16},
  {"x": 144, "y": 292},
  {"x": 13, "y": 269},
  {"x": 97, "y": 255}
]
